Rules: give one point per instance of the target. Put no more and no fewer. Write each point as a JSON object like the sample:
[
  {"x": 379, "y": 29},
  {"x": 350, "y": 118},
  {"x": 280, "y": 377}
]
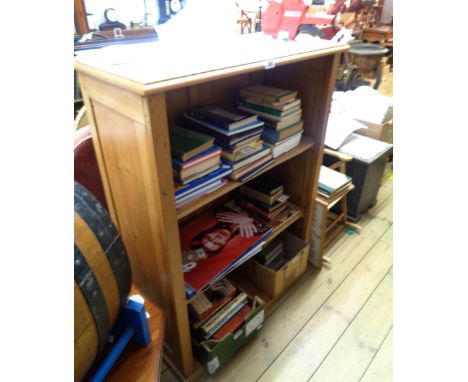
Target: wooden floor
[{"x": 335, "y": 324}]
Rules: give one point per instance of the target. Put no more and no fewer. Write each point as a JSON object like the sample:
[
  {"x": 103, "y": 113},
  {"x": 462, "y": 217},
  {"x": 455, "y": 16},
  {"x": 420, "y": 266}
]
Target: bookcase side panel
[
  {"x": 134, "y": 155},
  {"x": 159, "y": 148}
]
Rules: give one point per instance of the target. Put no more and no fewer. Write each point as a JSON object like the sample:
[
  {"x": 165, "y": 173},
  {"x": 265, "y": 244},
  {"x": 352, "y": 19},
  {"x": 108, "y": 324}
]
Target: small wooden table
[
  {"x": 138, "y": 363},
  {"x": 379, "y": 34}
]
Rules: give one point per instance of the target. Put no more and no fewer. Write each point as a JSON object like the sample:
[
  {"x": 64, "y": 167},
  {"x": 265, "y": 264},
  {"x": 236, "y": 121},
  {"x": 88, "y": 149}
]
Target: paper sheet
[{"x": 339, "y": 127}]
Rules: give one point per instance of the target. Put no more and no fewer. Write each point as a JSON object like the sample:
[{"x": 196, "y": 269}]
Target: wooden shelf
[
  {"x": 306, "y": 143},
  {"x": 297, "y": 212},
  {"x": 131, "y": 108}
]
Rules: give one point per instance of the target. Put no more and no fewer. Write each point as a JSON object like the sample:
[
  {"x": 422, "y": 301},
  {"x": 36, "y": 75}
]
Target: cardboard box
[
  {"x": 381, "y": 131},
  {"x": 213, "y": 354},
  {"x": 273, "y": 283}
]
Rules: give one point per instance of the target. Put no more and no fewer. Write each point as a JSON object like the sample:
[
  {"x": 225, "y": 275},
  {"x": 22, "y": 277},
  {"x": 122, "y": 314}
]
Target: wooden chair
[{"x": 326, "y": 224}]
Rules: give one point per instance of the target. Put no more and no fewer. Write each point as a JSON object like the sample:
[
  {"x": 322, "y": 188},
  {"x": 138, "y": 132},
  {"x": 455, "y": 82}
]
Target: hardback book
[
  {"x": 285, "y": 145},
  {"x": 220, "y": 138},
  {"x": 195, "y": 195},
  {"x": 223, "y": 315},
  {"x": 228, "y": 132},
  {"x": 277, "y": 263},
  {"x": 332, "y": 181},
  {"x": 289, "y": 121},
  {"x": 223, "y": 116},
  {"x": 197, "y": 168},
  {"x": 251, "y": 174},
  {"x": 270, "y": 251},
  {"x": 186, "y": 144},
  {"x": 223, "y": 235},
  {"x": 240, "y": 145},
  {"x": 268, "y": 117},
  {"x": 268, "y": 208},
  {"x": 274, "y": 136},
  {"x": 188, "y": 178},
  {"x": 250, "y": 159},
  {"x": 270, "y": 111},
  {"x": 266, "y": 184},
  {"x": 268, "y": 93},
  {"x": 205, "y": 155},
  {"x": 234, "y": 323},
  {"x": 241, "y": 172},
  {"x": 260, "y": 196},
  {"x": 265, "y": 216},
  {"x": 243, "y": 152},
  {"x": 210, "y": 301},
  {"x": 280, "y": 106},
  {"x": 183, "y": 190}
]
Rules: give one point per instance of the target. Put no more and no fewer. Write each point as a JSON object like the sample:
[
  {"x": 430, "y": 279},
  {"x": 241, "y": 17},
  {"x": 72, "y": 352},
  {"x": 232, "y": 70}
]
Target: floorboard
[
  {"x": 303, "y": 332},
  {"x": 356, "y": 348},
  {"x": 381, "y": 367}
]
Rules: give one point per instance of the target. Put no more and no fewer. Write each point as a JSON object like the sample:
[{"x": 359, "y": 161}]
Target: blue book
[
  {"x": 249, "y": 126},
  {"x": 274, "y": 136},
  {"x": 179, "y": 164},
  {"x": 199, "y": 183},
  {"x": 251, "y": 174}
]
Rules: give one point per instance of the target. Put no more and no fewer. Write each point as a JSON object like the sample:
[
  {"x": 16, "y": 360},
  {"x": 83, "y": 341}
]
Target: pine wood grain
[
  {"x": 358, "y": 345},
  {"x": 296, "y": 310},
  {"x": 304, "y": 354},
  {"x": 130, "y": 118},
  {"x": 381, "y": 367}
]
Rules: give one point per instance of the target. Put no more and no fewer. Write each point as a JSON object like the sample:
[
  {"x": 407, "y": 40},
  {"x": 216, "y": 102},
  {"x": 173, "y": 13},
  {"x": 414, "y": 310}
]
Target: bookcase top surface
[{"x": 148, "y": 68}]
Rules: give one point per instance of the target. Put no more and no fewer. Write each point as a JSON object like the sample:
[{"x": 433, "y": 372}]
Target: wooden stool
[{"x": 327, "y": 225}]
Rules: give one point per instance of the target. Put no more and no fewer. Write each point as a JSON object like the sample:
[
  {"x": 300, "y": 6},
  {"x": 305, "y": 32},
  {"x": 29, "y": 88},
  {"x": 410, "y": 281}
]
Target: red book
[
  {"x": 199, "y": 159},
  {"x": 217, "y": 238},
  {"x": 233, "y": 324}
]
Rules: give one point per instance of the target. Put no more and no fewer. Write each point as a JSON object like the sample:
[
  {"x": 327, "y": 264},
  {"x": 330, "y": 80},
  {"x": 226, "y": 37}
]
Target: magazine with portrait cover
[{"x": 216, "y": 240}]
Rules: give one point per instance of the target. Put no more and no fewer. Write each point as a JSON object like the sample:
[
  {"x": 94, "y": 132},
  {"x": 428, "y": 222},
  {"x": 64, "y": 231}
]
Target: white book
[
  {"x": 330, "y": 180},
  {"x": 286, "y": 145}
]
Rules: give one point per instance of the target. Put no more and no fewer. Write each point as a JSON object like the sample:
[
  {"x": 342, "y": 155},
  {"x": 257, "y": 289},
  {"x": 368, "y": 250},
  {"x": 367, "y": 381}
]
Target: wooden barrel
[{"x": 102, "y": 278}]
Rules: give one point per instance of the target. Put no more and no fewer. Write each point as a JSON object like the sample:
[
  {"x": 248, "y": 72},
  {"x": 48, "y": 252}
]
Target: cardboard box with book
[
  {"x": 274, "y": 270},
  {"x": 223, "y": 319}
]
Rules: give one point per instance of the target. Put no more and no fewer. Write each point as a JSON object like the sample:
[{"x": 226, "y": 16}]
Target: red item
[
  {"x": 339, "y": 6},
  {"x": 234, "y": 323},
  {"x": 191, "y": 163},
  {"x": 86, "y": 167},
  {"x": 355, "y": 6},
  {"x": 290, "y": 14},
  {"x": 285, "y": 16},
  {"x": 222, "y": 242}
]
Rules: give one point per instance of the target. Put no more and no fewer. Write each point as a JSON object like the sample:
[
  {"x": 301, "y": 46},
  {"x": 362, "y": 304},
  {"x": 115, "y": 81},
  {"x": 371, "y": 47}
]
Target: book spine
[
  {"x": 254, "y": 194},
  {"x": 223, "y": 313},
  {"x": 263, "y": 97},
  {"x": 262, "y": 108},
  {"x": 192, "y": 163}
]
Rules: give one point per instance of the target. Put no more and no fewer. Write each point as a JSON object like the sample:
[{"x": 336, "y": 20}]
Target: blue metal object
[{"x": 131, "y": 325}]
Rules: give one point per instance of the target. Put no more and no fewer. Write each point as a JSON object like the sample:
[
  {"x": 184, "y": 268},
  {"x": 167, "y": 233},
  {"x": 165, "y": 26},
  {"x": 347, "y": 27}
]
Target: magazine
[{"x": 215, "y": 241}]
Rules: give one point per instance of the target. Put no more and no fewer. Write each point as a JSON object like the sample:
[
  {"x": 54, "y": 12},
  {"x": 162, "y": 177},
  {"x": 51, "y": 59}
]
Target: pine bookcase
[{"x": 134, "y": 93}]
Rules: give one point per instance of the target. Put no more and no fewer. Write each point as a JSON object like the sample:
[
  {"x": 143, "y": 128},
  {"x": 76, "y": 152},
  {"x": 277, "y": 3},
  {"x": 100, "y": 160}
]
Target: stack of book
[
  {"x": 332, "y": 184},
  {"x": 196, "y": 165},
  {"x": 280, "y": 110},
  {"x": 263, "y": 197},
  {"x": 238, "y": 133},
  {"x": 273, "y": 255},
  {"x": 220, "y": 310},
  {"x": 218, "y": 241}
]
